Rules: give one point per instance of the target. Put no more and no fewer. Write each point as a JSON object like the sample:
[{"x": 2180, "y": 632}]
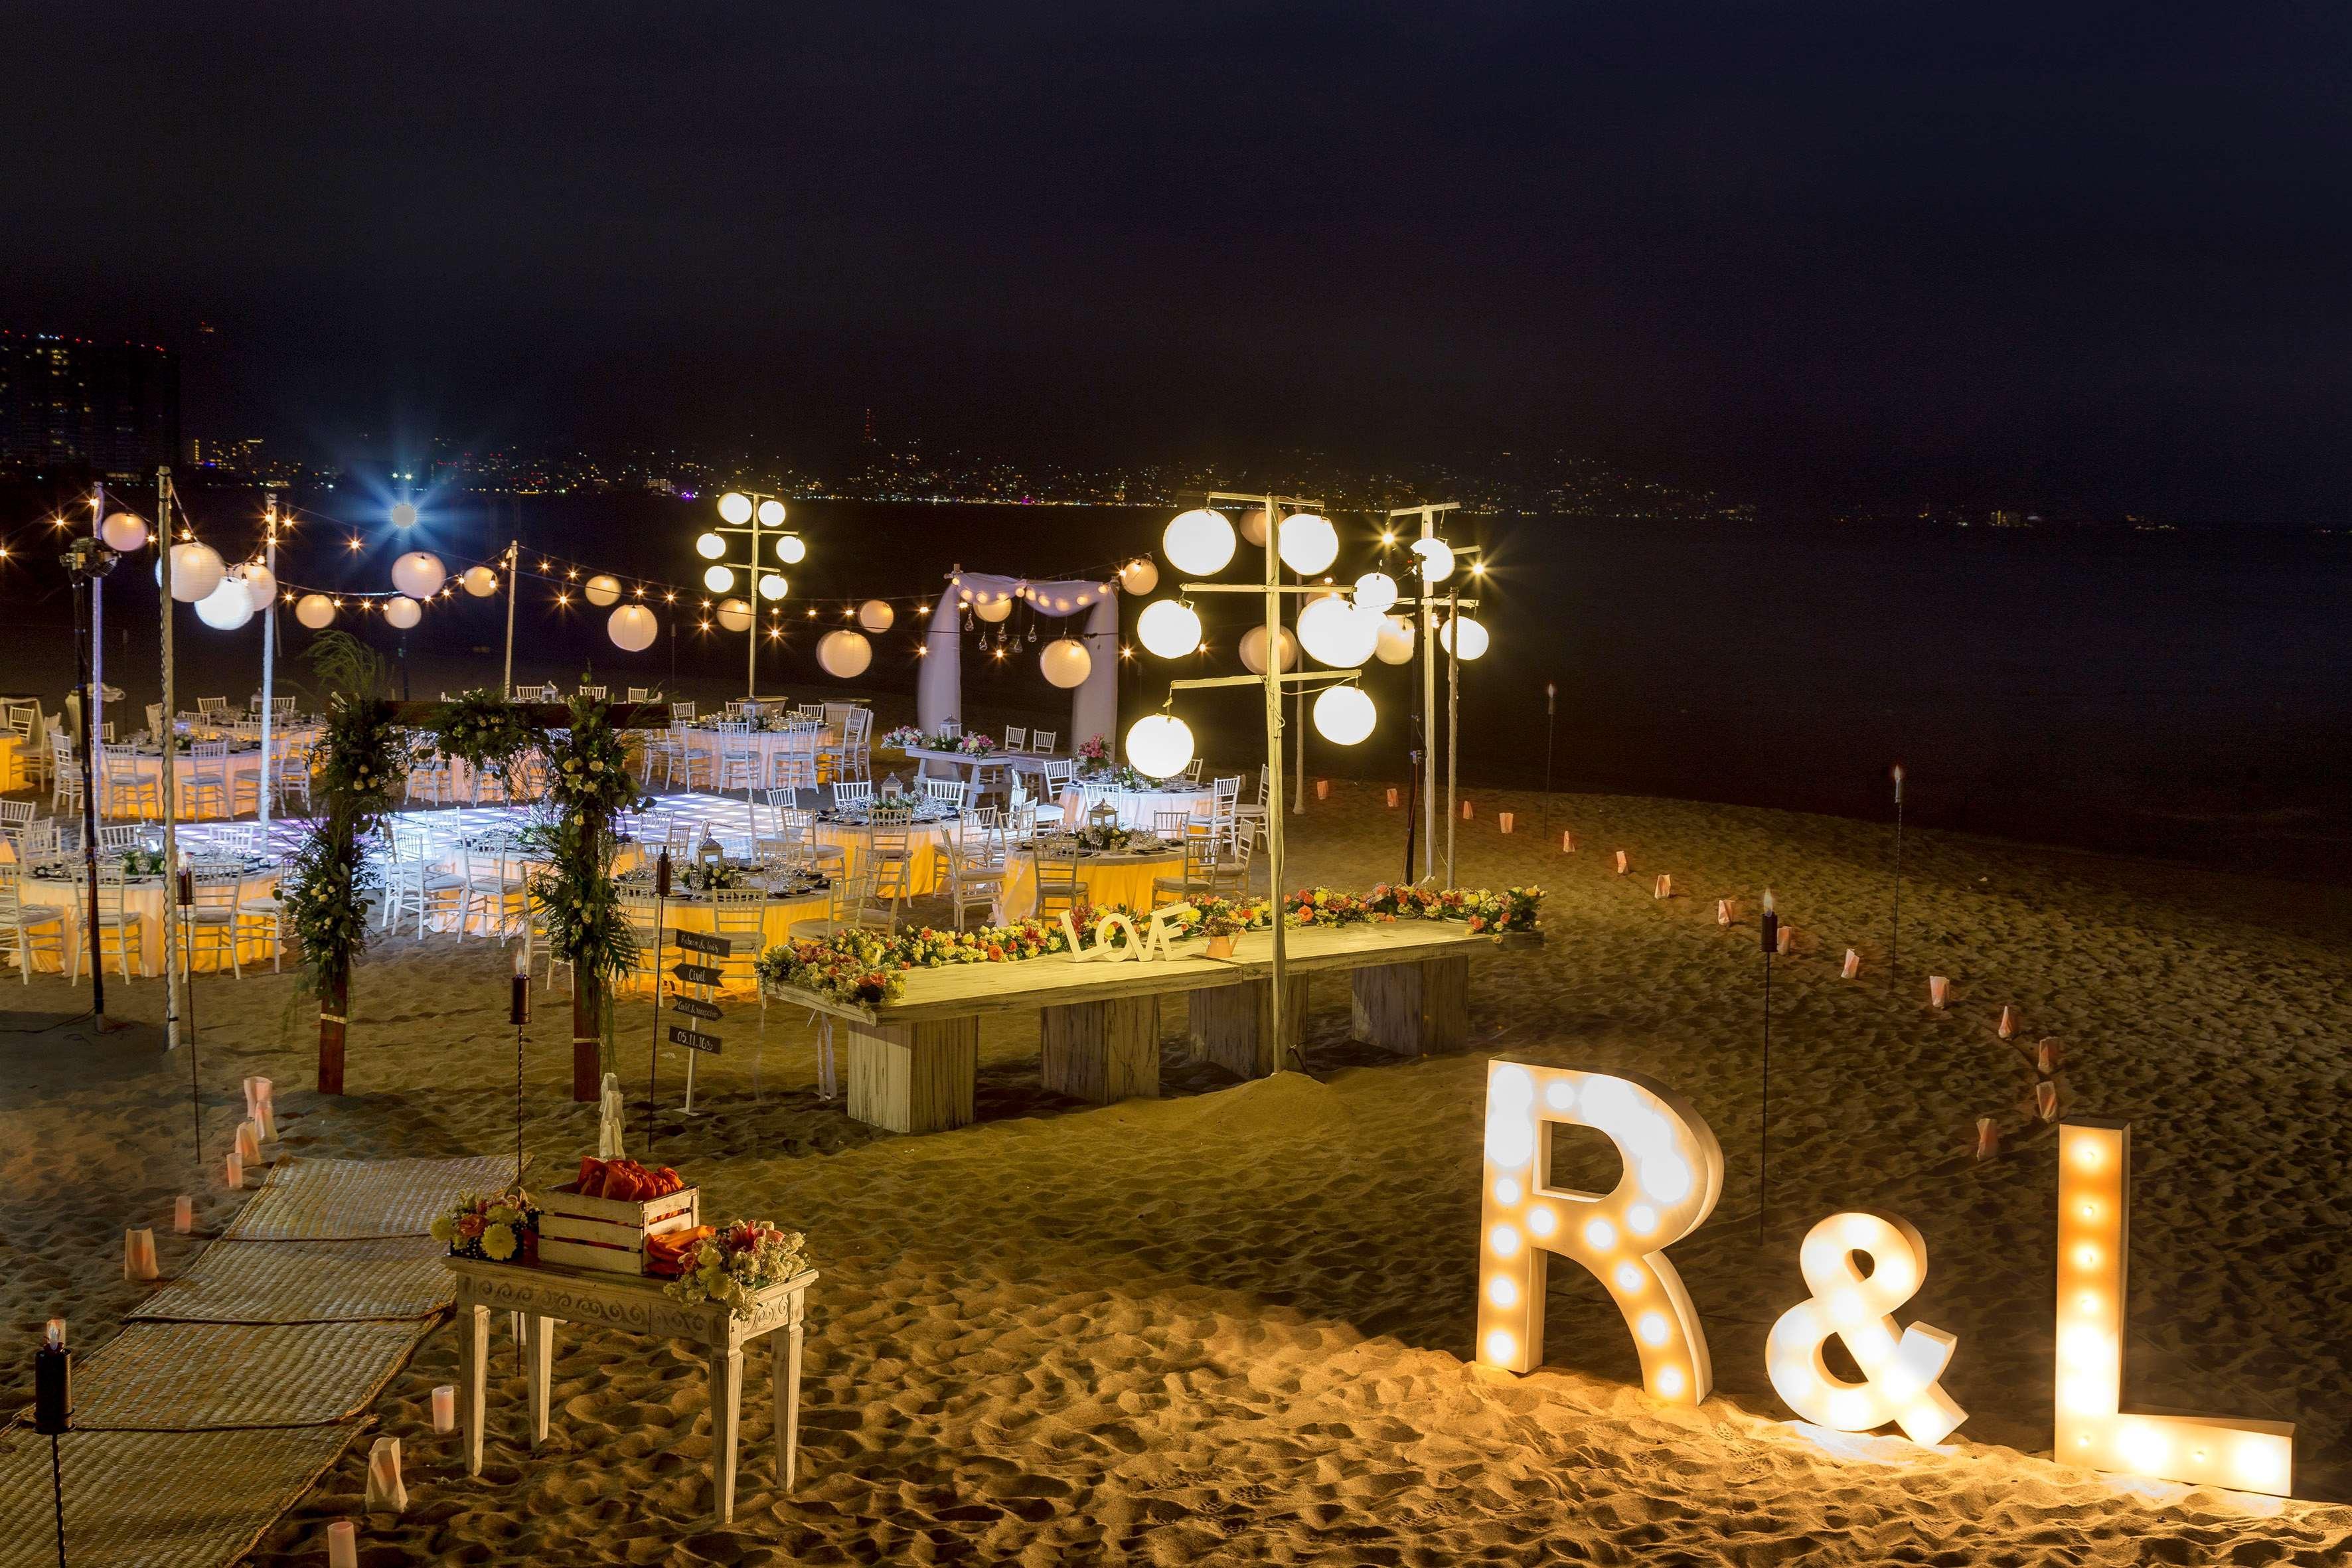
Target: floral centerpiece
[
  {"x": 713, "y": 875},
  {"x": 975, "y": 744},
  {"x": 1094, "y": 756},
  {"x": 904, "y": 738},
  {"x": 1103, "y": 838},
  {"x": 736, "y": 1262},
  {"x": 138, "y": 860},
  {"x": 500, "y": 1227}
]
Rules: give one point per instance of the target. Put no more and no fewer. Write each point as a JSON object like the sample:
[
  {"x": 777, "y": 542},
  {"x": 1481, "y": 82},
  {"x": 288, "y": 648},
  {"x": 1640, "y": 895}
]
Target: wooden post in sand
[
  {"x": 334, "y": 1009},
  {"x": 588, "y": 990}
]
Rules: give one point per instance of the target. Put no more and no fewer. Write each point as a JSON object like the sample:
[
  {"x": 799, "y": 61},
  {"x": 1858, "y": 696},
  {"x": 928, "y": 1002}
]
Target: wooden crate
[{"x": 610, "y": 1234}]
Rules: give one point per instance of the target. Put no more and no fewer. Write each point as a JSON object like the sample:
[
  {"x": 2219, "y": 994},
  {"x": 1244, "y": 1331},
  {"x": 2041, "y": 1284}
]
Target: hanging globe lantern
[
  {"x": 1169, "y": 627},
  {"x": 401, "y": 613},
  {"x": 603, "y": 589},
  {"x": 315, "y": 611},
  {"x": 994, "y": 610},
  {"x": 1473, "y": 639},
  {"x": 1395, "y": 645},
  {"x": 419, "y": 575},
  {"x": 1159, "y": 745},
  {"x": 719, "y": 579},
  {"x": 1437, "y": 559},
  {"x": 1339, "y": 633},
  {"x": 772, "y": 585},
  {"x": 1139, "y": 576},
  {"x": 734, "y": 615},
  {"x": 1254, "y": 650},
  {"x": 843, "y": 654},
  {"x": 262, "y": 584},
  {"x": 711, "y": 547},
  {"x": 792, "y": 550},
  {"x": 124, "y": 531},
  {"x": 226, "y": 607},
  {"x": 1066, "y": 662},
  {"x": 772, "y": 513},
  {"x": 632, "y": 628},
  {"x": 481, "y": 581},
  {"x": 1309, "y": 544},
  {"x": 1253, "y": 526},
  {"x": 1198, "y": 543},
  {"x": 196, "y": 571},
  {"x": 876, "y": 617},
  {"x": 735, "y": 507},
  {"x": 1376, "y": 591},
  {"x": 1344, "y": 715}
]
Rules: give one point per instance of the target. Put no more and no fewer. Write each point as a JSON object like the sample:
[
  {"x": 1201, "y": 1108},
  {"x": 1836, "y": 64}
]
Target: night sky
[{"x": 2091, "y": 259}]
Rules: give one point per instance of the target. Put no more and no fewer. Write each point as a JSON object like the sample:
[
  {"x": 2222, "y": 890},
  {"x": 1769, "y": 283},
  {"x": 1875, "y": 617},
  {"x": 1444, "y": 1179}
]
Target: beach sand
[{"x": 1231, "y": 1324}]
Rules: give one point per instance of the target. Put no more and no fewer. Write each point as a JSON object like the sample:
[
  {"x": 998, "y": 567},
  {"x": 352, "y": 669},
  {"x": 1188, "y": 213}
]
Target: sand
[{"x": 1230, "y": 1325}]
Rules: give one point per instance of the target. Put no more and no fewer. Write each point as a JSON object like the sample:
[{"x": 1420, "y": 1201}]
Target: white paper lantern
[
  {"x": 401, "y": 613},
  {"x": 792, "y": 550},
  {"x": 711, "y": 547},
  {"x": 772, "y": 513},
  {"x": 1066, "y": 662},
  {"x": 226, "y": 607},
  {"x": 1376, "y": 591},
  {"x": 1198, "y": 543},
  {"x": 603, "y": 589},
  {"x": 1343, "y": 715},
  {"x": 1309, "y": 544},
  {"x": 1473, "y": 639},
  {"x": 843, "y": 654},
  {"x": 262, "y": 584},
  {"x": 1396, "y": 645},
  {"x": 1158, "y": 745},
  {"x": 419, "y": 575},
  {"x": 992, "y": 610},
  {"x": 1338, "y": 633},
  {"x": 315, "y": 611},
  {"x": 1437, "y": 559},
  {"x": 404, "y": 514},
  {"x": 124, "y": 531},
  {"x": 876, "y": 617},
  {"x": 735, "y": 507},
  {"x": 772, "y": 585},
  {"x": 481, "y": 581},
  {"x": 196, "y": 571},
  {"x": 1253, "y": 526},
  {"x": 1138, "y": 577},
  {"x": 1169, "y": 627},
  {"x": 734, "y": 615},
  {"x": 632, "y": 628},
  {"x": 1254, "y": 650}
]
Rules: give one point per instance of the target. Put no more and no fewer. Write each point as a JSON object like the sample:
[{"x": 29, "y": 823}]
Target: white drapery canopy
[{"x": 1093, "y": 703}]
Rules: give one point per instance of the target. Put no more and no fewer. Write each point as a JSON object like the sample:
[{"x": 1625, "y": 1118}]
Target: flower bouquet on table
[
  {"x": 906, "y": 737},
  {"x": 713, "y": 877},
  {"x": 730, "y": 1264},
  {"x": 139, "y": 860},
  {"x": 500, "y": 1227},
  {"x": 976, "y": 745},
  {"x": 1094, "y": 756}
]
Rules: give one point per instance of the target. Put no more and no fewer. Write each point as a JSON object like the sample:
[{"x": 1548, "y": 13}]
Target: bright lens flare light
[{"x": 403, "y": 515}]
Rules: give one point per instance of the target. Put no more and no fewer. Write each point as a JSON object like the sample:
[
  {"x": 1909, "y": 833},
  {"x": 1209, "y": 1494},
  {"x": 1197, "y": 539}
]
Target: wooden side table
[{"x": 545, "y": 1294}]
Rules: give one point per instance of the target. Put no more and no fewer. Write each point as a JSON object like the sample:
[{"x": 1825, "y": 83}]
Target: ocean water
[{"x": 2175, "y": 693}]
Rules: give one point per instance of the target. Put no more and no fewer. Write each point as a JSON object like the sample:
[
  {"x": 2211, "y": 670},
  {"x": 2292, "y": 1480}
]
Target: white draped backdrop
[{"x": 1093, "y": 703}]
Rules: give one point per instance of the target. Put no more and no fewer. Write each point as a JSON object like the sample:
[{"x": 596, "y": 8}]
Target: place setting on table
[{"x": 139, "y": 876}]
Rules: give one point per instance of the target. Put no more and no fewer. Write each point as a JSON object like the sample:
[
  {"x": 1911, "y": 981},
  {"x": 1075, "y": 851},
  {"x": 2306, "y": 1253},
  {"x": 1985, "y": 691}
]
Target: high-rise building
[{"x": 111, "y": 409}]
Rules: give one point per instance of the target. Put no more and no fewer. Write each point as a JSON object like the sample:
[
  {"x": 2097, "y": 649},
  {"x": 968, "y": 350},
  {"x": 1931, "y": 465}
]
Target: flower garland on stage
[{"x": 866, "y": 968}]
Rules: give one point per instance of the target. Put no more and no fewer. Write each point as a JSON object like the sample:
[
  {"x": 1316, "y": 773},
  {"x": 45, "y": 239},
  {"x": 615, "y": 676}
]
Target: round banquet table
[
  {"x": 1108, "y": 879},
  {"x": 922, "y": 839},
  {"x": 12, "y": 764},
  {"x": 688, "y": 912},
  {"x": 1139, "y": 808},
  {"x": 142, "y": 901},
  {"x": 145, "y": 803},
  {"x": 768, "y": 744}
]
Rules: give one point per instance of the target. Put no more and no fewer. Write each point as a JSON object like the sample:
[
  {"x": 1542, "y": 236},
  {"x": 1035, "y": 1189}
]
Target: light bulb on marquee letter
[
  {"x": 2092, "y": 1429},
  {"x": 1673, "y": 1175},
  {"x": 1898, "y": 1375}
]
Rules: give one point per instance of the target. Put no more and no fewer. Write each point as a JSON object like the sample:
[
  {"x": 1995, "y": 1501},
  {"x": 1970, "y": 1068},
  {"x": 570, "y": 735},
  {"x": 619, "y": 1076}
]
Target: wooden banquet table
[
  {"x": 964, "y": 765},
  {"x": 1108, "y": 879},
  {"x": 914, "y": 1061}
]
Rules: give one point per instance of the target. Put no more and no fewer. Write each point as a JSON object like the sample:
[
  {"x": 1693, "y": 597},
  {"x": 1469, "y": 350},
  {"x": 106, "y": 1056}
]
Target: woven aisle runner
[
  {"x": 156, "y": 1499},
  {"x": 203, "y": 1377},
  {"x": 306, "y": 1282},
  {"x": 344, "y": 1200}
]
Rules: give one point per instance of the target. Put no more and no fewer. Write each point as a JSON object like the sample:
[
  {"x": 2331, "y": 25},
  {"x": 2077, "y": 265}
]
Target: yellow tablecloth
[
  {"x": 1108, "y": 879},
  {"x": 775, "y": 925},
  {"x": 143, "y": 903},
  {"x": 12, "y": 764},
  {"x": 1141, "y": 809},
  {"x": 922, "y": 841}
]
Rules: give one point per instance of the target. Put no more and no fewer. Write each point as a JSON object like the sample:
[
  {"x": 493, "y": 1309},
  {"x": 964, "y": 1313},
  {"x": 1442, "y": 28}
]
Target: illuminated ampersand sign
[
  {"x": 1673, "y": 1175},
  {"x": 1898, "y": 1374}
]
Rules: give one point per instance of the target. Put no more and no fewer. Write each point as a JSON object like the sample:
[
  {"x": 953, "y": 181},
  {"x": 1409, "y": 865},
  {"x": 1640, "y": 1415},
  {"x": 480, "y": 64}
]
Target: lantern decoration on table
[
  {"x": 632, "y": 628},
  {"x": 1473, "y": 640},
  {"x": 402, "y": 612},
  {"x": 1375, "y": 591},
  {"x": 1253, "y": 651},
  {"x": 1066, "y": 662},
  {"x": 603, "y": 589},
  {"x": 481, "y": 581},
  {"x": 1395, "y": 640},
  {"x": 1309, "y": 542},
  {"x": 843, "y": 654},
  {"x": 1169, "y": 627},
  {"x": 228, "y": 607},
  {"x": 1159, "y": 745},
  {"x": 1339, "y": 633},
  {"x": 419, "y": 575},
  {"x": 1139, "y": 576},
  {"x": 196, "y": 571},
  {"x": 1198, "y": 543},
  {"x": 735, "y": 615},
  {"x": 1343, "y": 715},
  {"x": 124, "y": 531},
  {"x": 315, "y": 611},
  {"x": 876, "y": 616}
]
